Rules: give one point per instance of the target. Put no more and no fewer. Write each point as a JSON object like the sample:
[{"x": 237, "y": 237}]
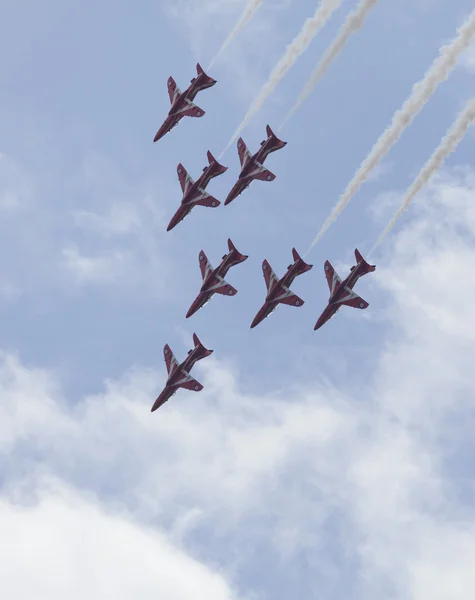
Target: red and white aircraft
[
  {"x": 341, "y": 292},
  {"x": 278, "y": 291},
  {"x": 213, "y": 279},
  {"x": 179, "y": 375},
  {"x": 252, "y": 166},
  {"x": 194, "y": 191},
  {"x": 182, "y": 102}
]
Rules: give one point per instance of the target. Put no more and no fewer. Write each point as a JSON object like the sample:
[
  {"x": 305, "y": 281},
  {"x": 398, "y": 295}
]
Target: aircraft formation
[{"x": 213, "y": 282}]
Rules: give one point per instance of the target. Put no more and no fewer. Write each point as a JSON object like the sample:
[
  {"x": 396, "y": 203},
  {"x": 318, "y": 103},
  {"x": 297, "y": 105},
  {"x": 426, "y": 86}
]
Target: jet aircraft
[
  {"x": 213, "y": 279},
  {"x": 179, "y": 375},
  {"x": 341, "y": 292},
  {"x": 252, "y": 166},
  {"x": 194, "y": 191},
  {"x": 278, "y": 289},
  {"x": 182, "y": 102}
]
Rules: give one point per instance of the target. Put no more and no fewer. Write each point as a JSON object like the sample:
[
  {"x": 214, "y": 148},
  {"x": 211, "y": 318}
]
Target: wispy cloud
[{"x": 212, "y": 464}]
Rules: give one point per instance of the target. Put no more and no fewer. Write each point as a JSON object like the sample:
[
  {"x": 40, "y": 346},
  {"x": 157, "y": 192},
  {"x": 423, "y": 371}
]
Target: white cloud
[
  {"x": 64, "y": 545},
  {"x": 356, "y": 480}
]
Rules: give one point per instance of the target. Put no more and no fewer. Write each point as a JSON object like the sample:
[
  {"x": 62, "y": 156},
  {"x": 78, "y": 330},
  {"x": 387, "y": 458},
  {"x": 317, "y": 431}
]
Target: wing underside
[
  {"x": 332, "y": 276},
  {"x": 185, "y": 179},
  {"x": 189, "y": 383},
  {"x": 353, "y": 300},
  {"x": 269, "y": 276},
  {"x": 288, "y": 297},
  {"x": 205, "y": 265},
  {"x": 170, "y": 360}
]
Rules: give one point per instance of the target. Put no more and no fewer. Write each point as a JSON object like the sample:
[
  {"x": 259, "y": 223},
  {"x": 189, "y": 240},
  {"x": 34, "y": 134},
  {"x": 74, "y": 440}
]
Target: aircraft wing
[
  {"x": 224, "y": 288},
  {"x": 173, "y": 90},
  {"x": 189, "y": 383},
  {"x": 332, "y": 277},
  {"x": 184, "y": 177},
  {"x": 170, "y": 360},
  {"x": 288, "y": 297},
  {"x": 205, "y": 199},
  {"x": 205, "y": 265},
  {"x": 353, "y": 300},
  {"x": 192, "y": 110},
  {"x": 263, "y": 174},
  {"x": 269, "y": 276},
  {"x": 243, "y": 151}
]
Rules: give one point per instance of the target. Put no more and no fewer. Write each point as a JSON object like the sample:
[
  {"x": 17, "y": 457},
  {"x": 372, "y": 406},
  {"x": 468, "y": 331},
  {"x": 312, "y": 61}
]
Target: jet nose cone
[{"x": 171, "y": 225}]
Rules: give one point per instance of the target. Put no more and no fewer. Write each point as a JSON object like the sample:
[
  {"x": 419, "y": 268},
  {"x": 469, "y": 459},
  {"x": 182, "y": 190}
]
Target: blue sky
[{"x": 313, "y": 463}]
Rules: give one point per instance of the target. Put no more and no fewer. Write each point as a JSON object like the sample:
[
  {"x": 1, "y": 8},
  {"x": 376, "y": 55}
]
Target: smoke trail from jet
[
  {"x": 447, "y": 145},
  {"x": 421, "y": 92},
  {"x": 352, "y": 24},
  {"x": 297, "y": 47},
  {"x": 246, "y": 16}
]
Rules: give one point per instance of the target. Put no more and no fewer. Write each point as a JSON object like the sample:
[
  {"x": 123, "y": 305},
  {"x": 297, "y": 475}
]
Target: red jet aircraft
[
  {"x": 179, "y": 375},
  {"x": 252, "y": 166},
  {"x": 213, "y": 279},
  {"x": 182, "y": 102},
  {"x": 341, "y": 292},
  {"x": 278, "y": 289},
  {"x": 194, "y": 191}
]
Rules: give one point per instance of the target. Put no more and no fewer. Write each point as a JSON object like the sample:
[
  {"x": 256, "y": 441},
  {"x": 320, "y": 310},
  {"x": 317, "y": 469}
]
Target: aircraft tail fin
[
  {"x": 202, "y": 352},
  {"x": 297, "y": 258},
  {"x": 205, "y": 80},
  {"x": 367, "y": 268},
  {"x": 237, "y": 256},
  {"x": 276, "y": 143},
  {"x": 217, "y": 168}
]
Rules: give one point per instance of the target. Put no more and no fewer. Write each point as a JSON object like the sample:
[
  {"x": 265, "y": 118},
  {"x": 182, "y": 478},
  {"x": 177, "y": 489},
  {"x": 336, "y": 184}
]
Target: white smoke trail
[
  {"x": 352, "y": 24},
  {"x": 245, "y": 17},
  {"x": 297, "y": 47},
  {"x": 447, "y": 145},
  {"x": 421, "y": 92}
]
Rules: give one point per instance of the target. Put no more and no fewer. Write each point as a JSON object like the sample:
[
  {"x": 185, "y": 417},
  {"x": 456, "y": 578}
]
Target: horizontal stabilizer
[
  {"x": 198, "y": 345},
  {"x": 205, "y": 80},
  {"x": 359, "y": 259},
  {"x": 276, "y": 143},
  {"x": 217, "y": 168},
  {"x": 297, "y": 258},
  {"x": 237, "y": 256}
]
